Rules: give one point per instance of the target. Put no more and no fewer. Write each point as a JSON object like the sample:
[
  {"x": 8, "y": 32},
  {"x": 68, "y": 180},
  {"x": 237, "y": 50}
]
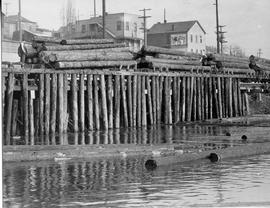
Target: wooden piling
[
  {"x": 14, "y": 117},
  {"x": 139, "y": 100},
  {"x": 183, "y": 98},
  {"x": 41, "y": 104},
  {"x": 210, "y": 98},
  {"x": 61, "y": 105},
  {"x": 190, "y": 102},
  {"x": 117, "y": 101},
  {"x": 90, "y": 101},
  {"x": 149, "y": 100},
  {"x": 240, "y": 107},
  {"x": 154, "y": 97},
  {"x": 206, "y": 97},
  {"x": 110, "y": 102},
  {"x": 129, "y": 98},
  {"x": 10, "y": 89},
  {"x": 235, "y": 100},
  {"x": 195, "y": 97},
  {"x": 134, "y": 101},
  {"x": 203, "y": 97},
  {"x": 53, "y": 103},
  {"x": 31, "y": 121},
  {"x": 82, "y": 104},
  {"x": 47, "y": 104},
  {"x": 219, "y": 97},
  {"x": 124, "y": 101},
  {"x": 230, "y": 98},
  {"x": 160, "y": 102},
  {"x": 25, "y": 107},
  {"x": 74, "y": 90},
  {"x": 143, "y": 100},
  {"x": 223, "y": 97},
  {"x": 96, "y": 102},
  {"x": 104, "y": 110},
  {"x": 215, "y": 97},
  {"x": 65, "y": 97}
]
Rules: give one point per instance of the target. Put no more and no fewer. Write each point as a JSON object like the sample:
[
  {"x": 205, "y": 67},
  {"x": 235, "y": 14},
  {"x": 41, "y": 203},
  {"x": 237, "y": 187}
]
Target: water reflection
[{"x": 126, "y": 183}]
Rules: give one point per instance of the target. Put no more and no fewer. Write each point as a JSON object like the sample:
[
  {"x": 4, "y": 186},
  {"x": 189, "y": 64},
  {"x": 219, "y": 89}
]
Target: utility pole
[
  {"x": 221, "y": 37},
  {"x": 20, "y": 21},
  {"x": 6, "y": 4},
  {"x": 217, "y": 26},
  {"x": 95, "y": 9},
  {"x": 259, "y": 53},
  {"x": 103, "y": 17},
  {"x": 144, "y": 17}
]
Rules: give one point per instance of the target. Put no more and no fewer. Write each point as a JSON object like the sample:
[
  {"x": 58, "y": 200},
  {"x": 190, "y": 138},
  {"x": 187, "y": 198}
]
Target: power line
[{"x": 144, "y": 17}]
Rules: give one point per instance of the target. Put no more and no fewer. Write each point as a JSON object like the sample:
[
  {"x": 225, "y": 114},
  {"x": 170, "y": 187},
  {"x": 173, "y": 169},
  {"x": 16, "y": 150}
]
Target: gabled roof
[
  {"x": 15, "y": 18},
  {"x": 181, "y": 27}
]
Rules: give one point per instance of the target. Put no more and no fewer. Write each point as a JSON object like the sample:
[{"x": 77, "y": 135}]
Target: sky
[{"x": 247, "y": 21}]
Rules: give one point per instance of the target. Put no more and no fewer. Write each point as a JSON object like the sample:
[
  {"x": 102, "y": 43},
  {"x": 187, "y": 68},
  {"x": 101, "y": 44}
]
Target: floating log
[
  {"x": 42, "y": 39},
  {"x": 83, "y": 47},
  {"x": 86, "y": 41},
  {"x": 48, "y": 56},
  {"x": 173, "y": 62},
  {"x": 156, "y": 50},
  {"x": 93, "y": 64},
  {"x": 213, "y": 155}
]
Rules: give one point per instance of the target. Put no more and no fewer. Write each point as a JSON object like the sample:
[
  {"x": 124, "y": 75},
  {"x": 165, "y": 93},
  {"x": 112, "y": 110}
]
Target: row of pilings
[{"x": 57, "y": 102}]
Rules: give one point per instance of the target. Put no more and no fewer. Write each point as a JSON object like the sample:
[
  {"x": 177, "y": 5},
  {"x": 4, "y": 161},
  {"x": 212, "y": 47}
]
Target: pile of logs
[{"x": 76, "y": 54}]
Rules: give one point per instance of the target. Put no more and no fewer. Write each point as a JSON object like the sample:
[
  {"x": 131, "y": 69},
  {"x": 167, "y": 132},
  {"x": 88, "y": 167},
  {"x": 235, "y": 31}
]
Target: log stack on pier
[{"x": 76, "y": 54}]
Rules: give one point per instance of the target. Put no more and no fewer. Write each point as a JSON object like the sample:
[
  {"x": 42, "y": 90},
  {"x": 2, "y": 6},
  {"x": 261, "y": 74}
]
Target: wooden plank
[
  {"x": 134, "y": 101},
  {"x": 110, "y": 102},
  {"x": 74, "y": 92},
  {"x": 149, "y": 99},
  {"x": 90, "y": 101},
  {"x": 82, "y": 104},
  {"x": 10, "y": 89},
  {"x": 117, "y": 101},
  {"x": 53, "y": 103},
  {"x": 61, "y": 104},
  {"x": 129, "y": 95},
  {"x": 139, "y": 101},
  {"x": 104, "y": 109},
  {"x": 143, "y": 100},
  {"x": 96, "y": 102},
  {"x": 47, "y": 103},
  {"x": 41, "y": 103},
  {"x": 183, "y": 97}
]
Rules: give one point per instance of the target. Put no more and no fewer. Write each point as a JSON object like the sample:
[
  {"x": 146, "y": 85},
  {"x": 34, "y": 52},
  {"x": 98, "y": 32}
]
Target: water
[{"x": 126, "y": 183}]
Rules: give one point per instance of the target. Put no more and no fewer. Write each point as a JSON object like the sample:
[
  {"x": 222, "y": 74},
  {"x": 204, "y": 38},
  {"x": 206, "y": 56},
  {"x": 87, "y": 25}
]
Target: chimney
[{"x": 165, "y": 21}]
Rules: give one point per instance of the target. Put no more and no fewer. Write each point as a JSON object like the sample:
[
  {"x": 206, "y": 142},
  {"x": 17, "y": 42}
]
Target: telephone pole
[
  {"x": 20, "y": 21},
  {"x": 144, "y": 17},
  {"x": 217, "y": 26},
  {"x": 103, "y": 17},
  {"x": 221, "y": 37},
  {"x": 95, "y": 9}
]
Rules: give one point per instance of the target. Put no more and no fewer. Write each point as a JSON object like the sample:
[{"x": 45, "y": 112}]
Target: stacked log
[{"x": 72, "y": 54}]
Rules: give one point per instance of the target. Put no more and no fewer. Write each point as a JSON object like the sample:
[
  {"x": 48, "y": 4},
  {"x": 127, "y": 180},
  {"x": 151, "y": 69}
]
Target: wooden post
[
  {"x": 103, "y": 102},
  {"x": 110, "y": 102},
  {"x": 175, "y": 100},
  {"x": 81, "y": 104},
  {"x": 247, "y": 110},
  {"x": 160, "y": 102},
  {"x": 223, "y": 96},
  {"x": 206, "y": 99},
  {"x": 36, "y": 117},
  {"x": 47, "y": 103},
  {"x": 154, "y": 96},
  {"x": 199, "y": 96},
  {"x": 14, "y": 117},
  {"x": 143, "y": 100},
  {"x": 183, "y": 98},
  {"x": 10, "y": 89},
  {"x": 90, "y": 101},
  {"x": 53, "y": 103},
  {"x": 41, "y": 104},
  {"x": 96, "y": 102},
  {"x": 129, "y": 92},
  {"x": 139, "y": 101},
  {"x": 65, "y": 108},
  {"x": 195, "y": 98},
  {"x": 235, "y": 101},
  {"x": 117, "y": 101},
  {"x": 239, "y": 98},
  {"x": 134, "y": 101},
  {"x": 215, "y": 96},
  {"x": 230, "y": 98},
  {"x": 203, "y": 97},
  {"x": 169, "y": 100},
  {"x": 25, "y": 107},
  {"x": 61, "y": 107},
  {"x": 31, "y": 121},
  {"x": 210, "y": 99},
  {"x": 166, "y": 110},
  {"x": 149, "y": 99},
  {"x": 74, "y": 89},
  {"x": 157, "y": 100},
  {"x": 190, "y": 102},
  {"x": 219, "y": 97},
  {"x": 124, "y": 100}
]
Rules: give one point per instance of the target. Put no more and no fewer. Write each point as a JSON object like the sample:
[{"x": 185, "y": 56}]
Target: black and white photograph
[{"x": 143, "y": 103}]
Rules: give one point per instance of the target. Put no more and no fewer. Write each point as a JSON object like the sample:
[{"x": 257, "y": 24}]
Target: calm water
[{"x": 124, "y": 182}]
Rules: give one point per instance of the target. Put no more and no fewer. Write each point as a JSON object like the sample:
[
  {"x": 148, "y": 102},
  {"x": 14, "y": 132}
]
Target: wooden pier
[{"x": 42, "y": 102}]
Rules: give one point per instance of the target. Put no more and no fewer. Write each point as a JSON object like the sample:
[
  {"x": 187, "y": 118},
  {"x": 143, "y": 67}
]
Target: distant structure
[
  {"x": 188, "y": 36},
  {"x": 122, "y": 27}
]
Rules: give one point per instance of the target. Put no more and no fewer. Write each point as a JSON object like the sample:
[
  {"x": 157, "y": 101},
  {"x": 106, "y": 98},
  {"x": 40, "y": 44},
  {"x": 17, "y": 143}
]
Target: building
[
  {"x": 188, "y": 36},
  {"x": 122, "y": 27}
]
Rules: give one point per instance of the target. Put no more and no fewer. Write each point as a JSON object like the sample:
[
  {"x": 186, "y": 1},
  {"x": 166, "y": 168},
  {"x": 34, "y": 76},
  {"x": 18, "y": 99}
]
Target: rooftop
[{"x": 15, "y": 18}]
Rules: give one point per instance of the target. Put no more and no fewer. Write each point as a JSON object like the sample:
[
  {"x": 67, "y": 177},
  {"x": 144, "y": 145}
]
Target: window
[
  {"x": 191, "y": 38},
  {"x": 127, "y": 26},
  {"x": 83, "y": 28},
  {"x": 92, "y": 28},
  {"x": 119, "y": 26},
  {"x": 200, "y": 39},
  {"x": 196, "y": 39}
]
